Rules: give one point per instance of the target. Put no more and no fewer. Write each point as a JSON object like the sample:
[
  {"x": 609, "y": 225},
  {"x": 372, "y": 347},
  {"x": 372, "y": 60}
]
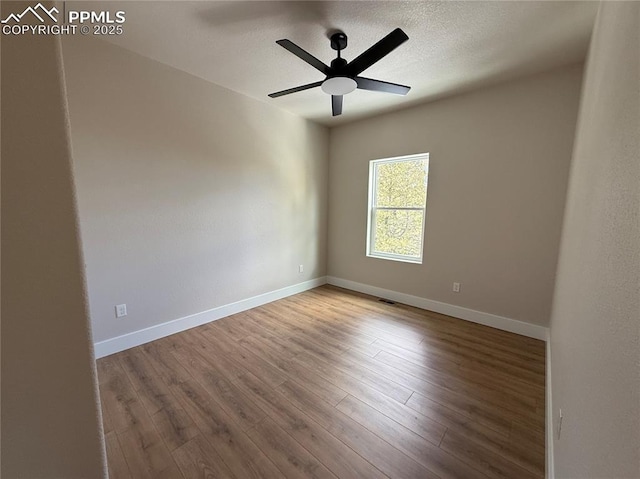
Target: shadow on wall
[{"x": 297, "y": 164}]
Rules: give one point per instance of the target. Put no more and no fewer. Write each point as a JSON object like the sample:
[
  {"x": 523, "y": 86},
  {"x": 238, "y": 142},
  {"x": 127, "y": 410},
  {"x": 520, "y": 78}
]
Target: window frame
[{"x": 372, "y": 209}]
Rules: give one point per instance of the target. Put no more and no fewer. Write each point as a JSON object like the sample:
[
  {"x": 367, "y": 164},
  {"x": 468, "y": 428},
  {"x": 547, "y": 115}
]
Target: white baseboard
[
  {"x": 136, "y": 338},
  {"x": 499, "y": 322},
  {"x": 549, "y": 414}
]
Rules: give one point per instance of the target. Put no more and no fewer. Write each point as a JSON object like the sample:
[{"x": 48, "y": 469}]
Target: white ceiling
[{"x": 453, "y": 46}]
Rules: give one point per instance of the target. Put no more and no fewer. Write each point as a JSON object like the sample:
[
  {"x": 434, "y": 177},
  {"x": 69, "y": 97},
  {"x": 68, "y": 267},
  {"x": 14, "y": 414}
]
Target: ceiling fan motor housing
[{"x": 338, "y": 63}]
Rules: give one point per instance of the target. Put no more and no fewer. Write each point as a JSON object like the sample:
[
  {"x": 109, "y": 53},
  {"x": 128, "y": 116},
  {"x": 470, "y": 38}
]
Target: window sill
[{"x": 399, "y": 259}]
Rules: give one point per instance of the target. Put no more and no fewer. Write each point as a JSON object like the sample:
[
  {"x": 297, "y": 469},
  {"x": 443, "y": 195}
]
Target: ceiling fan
[{"x": 342, "y": 77}]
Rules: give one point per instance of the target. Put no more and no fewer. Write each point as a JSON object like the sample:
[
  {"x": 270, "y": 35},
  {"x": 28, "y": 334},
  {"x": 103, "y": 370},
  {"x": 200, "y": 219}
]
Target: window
[{"x": 397, "y": 205}]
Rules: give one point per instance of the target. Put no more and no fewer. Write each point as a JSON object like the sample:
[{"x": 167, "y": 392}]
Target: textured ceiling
[{"x": 453, "y": 46}]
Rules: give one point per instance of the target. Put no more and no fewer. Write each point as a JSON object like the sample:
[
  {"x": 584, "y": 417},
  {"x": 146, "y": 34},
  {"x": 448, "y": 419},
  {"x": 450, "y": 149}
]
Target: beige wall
[
  {"x": 595, "y": 326},
  {"x": 191, "y": 196},
  {"x": 499, "y": 161},
  {"x": 0, "y": 258},
  {"x": 50, "y": 421}
]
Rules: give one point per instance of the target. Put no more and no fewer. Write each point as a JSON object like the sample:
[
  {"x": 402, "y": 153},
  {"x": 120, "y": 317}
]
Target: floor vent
[{"x": 388, "y": 301}]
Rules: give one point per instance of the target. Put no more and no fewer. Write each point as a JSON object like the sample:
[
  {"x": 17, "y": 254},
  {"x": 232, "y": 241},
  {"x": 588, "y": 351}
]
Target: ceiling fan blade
[
  {"x": 378, "y": 85},
  {"x": 376, "y": 52},
  {"x": 295, "y": 89},
  {"x": 304, "y": 55},
  {"x": 336, "y": 104}
]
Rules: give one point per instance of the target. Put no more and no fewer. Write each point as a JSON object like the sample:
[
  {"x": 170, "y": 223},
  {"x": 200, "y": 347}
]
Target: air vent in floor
[{"x": 388, "y": 301}]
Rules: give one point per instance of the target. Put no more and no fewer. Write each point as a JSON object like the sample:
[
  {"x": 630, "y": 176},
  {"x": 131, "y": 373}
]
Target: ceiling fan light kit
[
  {"x": 342, "y": 77},
  {"x": 338, "y": 85}
]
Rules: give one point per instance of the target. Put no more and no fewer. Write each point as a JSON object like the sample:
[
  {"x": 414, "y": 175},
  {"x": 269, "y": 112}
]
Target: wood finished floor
[{"x": 327, "y": 384}]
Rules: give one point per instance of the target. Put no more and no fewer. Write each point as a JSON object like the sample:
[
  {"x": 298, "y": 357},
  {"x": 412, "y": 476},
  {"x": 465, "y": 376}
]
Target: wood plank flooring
[{"x": 327, "y": 384}]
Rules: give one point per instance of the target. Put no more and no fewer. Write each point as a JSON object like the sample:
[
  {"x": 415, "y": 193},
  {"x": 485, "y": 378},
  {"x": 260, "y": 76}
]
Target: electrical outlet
[
  {"x": 456, "y": 287},
  {"x": 301, "y": 268},
  {"x": 121, "y": 310},
  {"x": 559, "y": 423}
]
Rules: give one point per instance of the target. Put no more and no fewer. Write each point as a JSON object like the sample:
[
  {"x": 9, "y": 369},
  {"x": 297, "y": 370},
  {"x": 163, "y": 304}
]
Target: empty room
[{"x": 320, "y": 239}]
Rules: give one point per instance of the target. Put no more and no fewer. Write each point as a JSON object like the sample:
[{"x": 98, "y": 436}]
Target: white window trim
[{"x": 372, "y": 210}]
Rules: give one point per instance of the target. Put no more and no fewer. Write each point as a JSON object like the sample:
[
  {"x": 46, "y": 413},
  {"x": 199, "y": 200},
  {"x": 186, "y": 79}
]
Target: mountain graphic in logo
[{"x": 34, "y": 11}]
